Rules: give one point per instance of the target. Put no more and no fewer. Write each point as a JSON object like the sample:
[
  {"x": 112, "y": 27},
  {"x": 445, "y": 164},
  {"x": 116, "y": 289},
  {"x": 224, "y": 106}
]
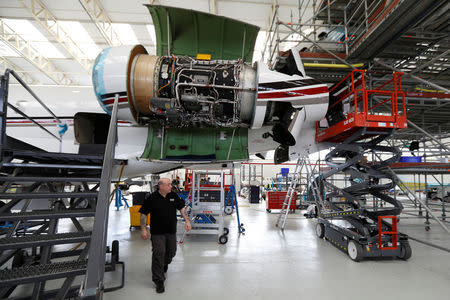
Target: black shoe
[
  {"x": 159, "y": 287},
  {"x": 165, "y": 268}
]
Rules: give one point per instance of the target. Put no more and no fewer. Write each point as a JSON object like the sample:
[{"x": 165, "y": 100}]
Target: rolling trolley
[{"x": 206, "y": 208}]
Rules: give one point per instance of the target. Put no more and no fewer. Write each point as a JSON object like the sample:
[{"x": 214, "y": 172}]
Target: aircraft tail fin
[
  {"x": 298, "y": 61},
  {"x": 291, "y": 64}
]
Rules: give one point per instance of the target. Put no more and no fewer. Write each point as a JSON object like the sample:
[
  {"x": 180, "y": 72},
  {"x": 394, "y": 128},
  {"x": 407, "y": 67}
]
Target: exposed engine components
[{"x": 178, "y": 91}]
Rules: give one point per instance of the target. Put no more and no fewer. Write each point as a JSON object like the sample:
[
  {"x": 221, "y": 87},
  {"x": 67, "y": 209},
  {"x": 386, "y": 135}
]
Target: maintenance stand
[{"x": 344, "y": 218}]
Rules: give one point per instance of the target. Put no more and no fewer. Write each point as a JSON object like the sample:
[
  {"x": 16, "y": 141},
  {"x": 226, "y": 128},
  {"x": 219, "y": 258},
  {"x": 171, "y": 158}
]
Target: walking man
[{"x": 162, "y": 206}]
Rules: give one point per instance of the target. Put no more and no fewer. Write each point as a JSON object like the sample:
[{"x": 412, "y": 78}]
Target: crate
[
  {"x": 275, "y": 200},
  {"x": 135, "y": 216}
]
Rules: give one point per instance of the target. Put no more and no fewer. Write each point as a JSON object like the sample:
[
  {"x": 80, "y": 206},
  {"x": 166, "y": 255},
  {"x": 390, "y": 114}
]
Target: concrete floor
[{"x": 266, "y": 263}]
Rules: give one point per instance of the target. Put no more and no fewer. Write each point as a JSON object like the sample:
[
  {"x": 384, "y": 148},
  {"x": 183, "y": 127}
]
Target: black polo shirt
[{"x": 163, "y": 212}]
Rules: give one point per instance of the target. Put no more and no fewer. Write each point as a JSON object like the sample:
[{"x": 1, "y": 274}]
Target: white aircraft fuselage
[{"x": 178, "y": 111}]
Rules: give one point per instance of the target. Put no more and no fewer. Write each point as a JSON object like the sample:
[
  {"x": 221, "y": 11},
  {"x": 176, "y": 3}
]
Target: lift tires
[
  {"x": 320, "y": 230},
  {"x": 405, "y": 251},
  {"x": 228, "y": 210},
  {"x": 223, "y": 239},
  {"x": 115, "y": 250},
  {"x": 269, "y": 211},
  {"x": 226, "y": 231},
  {"x": 355, "y": 250}
]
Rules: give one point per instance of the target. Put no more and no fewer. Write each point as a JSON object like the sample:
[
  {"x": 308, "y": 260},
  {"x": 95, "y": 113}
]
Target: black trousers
[{"x": 164, "y": 248}]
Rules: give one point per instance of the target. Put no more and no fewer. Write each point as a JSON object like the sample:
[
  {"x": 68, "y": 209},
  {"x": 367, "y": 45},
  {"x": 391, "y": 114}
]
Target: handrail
[
  {"x": 16, "y": 76},
  {"x": 4, "y": 100},
  {"x": 17, "y": 110},
  {"x": 93, "y": 282},
  {"x": 384, "y": 84},
  {"x": 378, "y": 104},
  {"x": 396, "y": 90},
  {"x": 343, "y": 79}
]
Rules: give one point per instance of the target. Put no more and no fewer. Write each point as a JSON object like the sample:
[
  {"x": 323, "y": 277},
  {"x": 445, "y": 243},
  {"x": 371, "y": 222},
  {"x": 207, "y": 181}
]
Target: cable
[{"x": 171, "y": 77}]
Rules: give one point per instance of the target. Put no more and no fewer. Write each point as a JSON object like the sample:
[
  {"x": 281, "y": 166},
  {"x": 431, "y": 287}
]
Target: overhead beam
[
  {"x": 378, "y": 61},
  {"x": 98, "y": 15},
  {"x": 48, "y": 21},
  {"x": 420, "y": 67},
  {"x": 6, "y": 64},
  {"x": 36, "y": 58}
]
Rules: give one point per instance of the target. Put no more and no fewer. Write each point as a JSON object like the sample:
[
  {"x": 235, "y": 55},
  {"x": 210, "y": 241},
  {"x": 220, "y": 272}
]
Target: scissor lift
[{"x": 359, "y": 119}]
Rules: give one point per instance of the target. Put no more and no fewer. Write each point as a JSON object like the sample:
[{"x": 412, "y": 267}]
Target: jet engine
[
  {"x": 175, "y": 91},
  {"x": 206, "y": 110}
]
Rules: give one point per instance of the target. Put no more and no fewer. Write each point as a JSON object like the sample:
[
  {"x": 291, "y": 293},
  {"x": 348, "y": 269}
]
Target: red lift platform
[
  {"x": 366, "y": 108},
  {"x": 357, "y": 121}
]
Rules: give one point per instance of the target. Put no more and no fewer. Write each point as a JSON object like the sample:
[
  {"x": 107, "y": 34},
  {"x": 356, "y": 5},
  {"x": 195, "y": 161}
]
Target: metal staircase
[{"x": 51, "y": 208}]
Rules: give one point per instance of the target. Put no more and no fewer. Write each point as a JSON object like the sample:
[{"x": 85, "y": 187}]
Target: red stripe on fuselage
[
  {"x": 111, "y": 101},
  {"x": 295, "y": 93}
]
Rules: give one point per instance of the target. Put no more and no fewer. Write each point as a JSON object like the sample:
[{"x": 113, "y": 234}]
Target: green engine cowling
[{"x": 196, "y": 144}]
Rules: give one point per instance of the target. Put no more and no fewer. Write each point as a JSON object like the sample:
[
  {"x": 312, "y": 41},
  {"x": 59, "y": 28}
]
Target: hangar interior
[{"x": 355, "y": 202}]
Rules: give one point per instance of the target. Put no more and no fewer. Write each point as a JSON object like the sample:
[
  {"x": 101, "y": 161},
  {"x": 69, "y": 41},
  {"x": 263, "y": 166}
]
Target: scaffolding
[
  {"x": 251, "y": 174},
  {"x": 344, "y": 35}
]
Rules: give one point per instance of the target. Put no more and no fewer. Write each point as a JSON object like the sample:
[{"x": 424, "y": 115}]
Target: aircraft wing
[{"x": 193, "y": 32}]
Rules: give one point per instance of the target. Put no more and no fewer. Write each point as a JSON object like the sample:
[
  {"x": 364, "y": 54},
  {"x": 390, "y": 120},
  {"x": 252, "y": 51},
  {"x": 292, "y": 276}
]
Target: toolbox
[{"x": 275, "y": 200}]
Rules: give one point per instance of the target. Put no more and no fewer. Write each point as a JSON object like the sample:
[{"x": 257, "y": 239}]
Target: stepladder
[{"x": 303, "y": 163}]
